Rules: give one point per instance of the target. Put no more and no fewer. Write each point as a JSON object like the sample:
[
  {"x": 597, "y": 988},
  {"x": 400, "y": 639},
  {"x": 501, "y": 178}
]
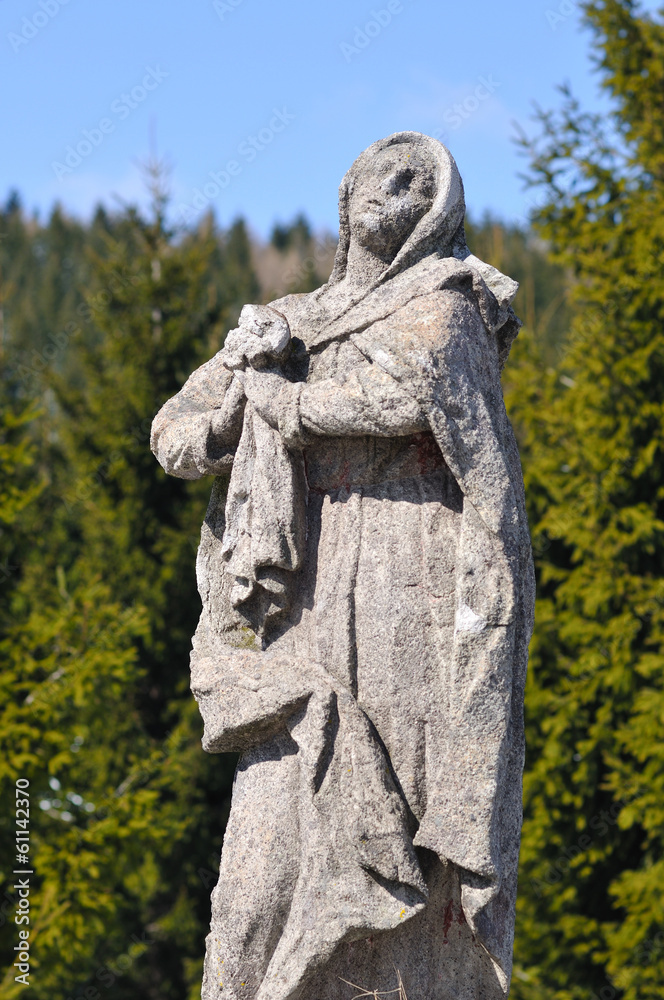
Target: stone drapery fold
[
  {"x": 475, "y": 816},
  {"x": 356, "y": 877},
  {"x": 263, "y": 542}
]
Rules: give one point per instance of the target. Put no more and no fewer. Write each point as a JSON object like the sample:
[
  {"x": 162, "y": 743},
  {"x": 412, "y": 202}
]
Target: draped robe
[{"x": 373, "y": 679}]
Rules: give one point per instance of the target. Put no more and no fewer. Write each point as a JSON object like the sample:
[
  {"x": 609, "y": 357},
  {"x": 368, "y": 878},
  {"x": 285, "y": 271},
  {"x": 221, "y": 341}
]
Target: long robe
[{"x": 400, "y": 650}]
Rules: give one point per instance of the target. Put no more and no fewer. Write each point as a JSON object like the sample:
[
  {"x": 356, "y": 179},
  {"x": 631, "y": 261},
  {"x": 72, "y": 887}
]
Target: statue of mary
[{"x": 367, "y": 588}]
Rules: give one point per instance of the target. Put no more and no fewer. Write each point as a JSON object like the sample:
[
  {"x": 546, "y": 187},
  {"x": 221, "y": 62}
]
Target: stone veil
[{"x": 367, "y": 588}]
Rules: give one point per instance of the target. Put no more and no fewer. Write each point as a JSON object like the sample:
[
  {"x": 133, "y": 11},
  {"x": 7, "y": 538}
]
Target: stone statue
[{"x": 367, "y": 588}]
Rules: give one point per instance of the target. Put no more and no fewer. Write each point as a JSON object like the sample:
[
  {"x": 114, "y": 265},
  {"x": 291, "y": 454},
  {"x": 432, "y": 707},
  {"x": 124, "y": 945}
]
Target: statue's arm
[
  {"x": 442, "y": 352},
  {"x": 197, "y": 431},
  {"x": 368, "y": 401}
]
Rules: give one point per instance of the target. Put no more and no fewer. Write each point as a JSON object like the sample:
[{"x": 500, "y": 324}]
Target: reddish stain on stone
[
  {"x": 429, "y": 456},
  {"x": 448, "y": 916}
]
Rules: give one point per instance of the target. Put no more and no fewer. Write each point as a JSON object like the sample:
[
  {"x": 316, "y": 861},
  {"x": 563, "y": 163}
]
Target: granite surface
[{"x": 367, "y": 589}]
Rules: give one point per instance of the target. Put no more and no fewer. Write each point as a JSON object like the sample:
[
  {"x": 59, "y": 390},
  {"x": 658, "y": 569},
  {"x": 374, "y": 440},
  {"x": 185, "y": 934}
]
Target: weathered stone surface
[{"x": 367, "y": 595}]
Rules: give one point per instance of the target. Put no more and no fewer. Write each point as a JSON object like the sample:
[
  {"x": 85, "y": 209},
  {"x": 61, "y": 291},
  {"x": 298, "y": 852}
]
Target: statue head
[
  {"x": 389, "y": 196},
  {"x": 403, "y": 200}
]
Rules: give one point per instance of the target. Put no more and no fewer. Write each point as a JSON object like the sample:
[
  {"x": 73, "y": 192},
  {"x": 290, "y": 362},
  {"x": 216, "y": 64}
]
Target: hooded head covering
[{"x": 439, "y": 233}]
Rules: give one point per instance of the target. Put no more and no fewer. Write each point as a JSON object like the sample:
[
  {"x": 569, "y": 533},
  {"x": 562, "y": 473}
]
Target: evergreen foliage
[
  {"x": 542, "y": 299},
  {"x": 591, "y": 917},
  {"x": 297, "y": 234}
]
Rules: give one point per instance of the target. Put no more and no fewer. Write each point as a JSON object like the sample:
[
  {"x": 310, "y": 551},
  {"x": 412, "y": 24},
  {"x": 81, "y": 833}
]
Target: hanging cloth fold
[{"x": 264, "y": 539}]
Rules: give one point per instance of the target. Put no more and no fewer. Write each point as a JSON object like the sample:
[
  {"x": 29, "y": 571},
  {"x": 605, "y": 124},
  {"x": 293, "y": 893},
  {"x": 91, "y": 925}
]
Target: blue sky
[{"x": 261, "y": 105}]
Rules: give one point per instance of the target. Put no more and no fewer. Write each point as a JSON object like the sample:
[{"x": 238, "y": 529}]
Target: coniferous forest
[{"x": 100, "y": 323}]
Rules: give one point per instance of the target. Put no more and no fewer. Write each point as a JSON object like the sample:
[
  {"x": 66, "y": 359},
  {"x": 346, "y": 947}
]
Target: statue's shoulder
[
  {"x": 453, "y": 294},
  {"x": 443, "y": 299},
  {"x": 439, "y": 316}
]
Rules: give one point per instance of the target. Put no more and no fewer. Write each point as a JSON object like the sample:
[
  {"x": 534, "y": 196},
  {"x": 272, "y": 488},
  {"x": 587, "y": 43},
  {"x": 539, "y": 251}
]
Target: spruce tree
[
  {"x": 591, "y": 911},
  {"x": 541, "y": 301}
]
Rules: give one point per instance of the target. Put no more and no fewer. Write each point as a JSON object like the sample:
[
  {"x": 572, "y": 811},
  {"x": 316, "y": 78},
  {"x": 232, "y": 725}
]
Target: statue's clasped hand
[
  {"x": 261, "y": 340},
  {"x": 254, "y": 351}
]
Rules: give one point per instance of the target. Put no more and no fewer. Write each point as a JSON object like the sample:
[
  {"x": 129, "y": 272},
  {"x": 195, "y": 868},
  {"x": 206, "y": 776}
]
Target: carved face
[{"x": 387, "y": 202}]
